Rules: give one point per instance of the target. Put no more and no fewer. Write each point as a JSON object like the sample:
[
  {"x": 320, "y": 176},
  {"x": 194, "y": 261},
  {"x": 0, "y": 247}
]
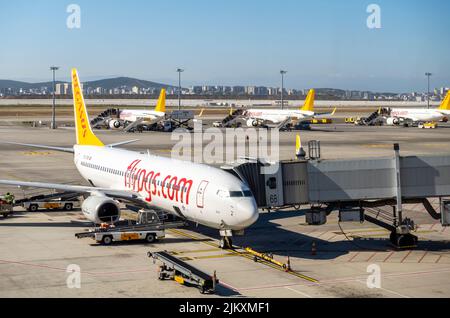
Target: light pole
[
  {"x": 179, "y": 70},
  {"x": 53, "y": 124},
  {"x": 282, "y": 88},
  {"x": 428, "y": 96}
]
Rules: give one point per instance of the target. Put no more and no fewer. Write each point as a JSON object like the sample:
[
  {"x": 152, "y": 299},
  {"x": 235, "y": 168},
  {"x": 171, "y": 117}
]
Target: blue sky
[{"x": 322, "y": 43}]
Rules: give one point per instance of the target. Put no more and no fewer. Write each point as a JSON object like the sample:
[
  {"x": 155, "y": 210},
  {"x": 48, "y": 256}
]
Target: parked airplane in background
[
  {"x": 397, "y": 116},
  {"x": 262, "y": 117},
  {"x": 194, "y": 192},
  {"x": 145, "y": 117},
  {"x": 132, "y": 118}
]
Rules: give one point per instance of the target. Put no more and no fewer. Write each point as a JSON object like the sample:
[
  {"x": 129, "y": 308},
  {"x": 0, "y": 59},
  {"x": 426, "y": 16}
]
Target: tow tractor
[
  {"x": 428, "y": 125},
  {"x": 150, "y": 228}
]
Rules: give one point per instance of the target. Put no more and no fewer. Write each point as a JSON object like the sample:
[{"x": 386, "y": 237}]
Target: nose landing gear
[{"x": 226, "y": 243}]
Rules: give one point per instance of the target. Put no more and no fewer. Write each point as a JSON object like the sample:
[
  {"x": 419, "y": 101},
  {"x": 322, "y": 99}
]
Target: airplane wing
[
  {"x": 63, "y": 149},
  {"x": 284, "y": 122},
  {"x": 70, "y": 150},
  {"x": 324, "y": 115},
  {"x": 99, "y": 123},
  {"x": 134, "y": 124},
  {"x": 119, "y": 194}
]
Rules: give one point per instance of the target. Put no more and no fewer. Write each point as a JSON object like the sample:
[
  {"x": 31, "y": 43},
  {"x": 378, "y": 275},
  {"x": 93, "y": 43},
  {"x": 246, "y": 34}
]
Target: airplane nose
[{"x": 248, "y": 213}]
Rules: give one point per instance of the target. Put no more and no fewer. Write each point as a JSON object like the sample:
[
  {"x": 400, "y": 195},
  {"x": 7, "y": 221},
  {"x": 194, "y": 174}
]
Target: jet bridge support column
[
  {"x": 401, "y": 237},
  {"x": 399, "y": 208}
]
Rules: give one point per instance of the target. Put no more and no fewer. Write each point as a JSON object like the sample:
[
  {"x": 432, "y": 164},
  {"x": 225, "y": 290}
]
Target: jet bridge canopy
[{"x": 325, "y": 181}]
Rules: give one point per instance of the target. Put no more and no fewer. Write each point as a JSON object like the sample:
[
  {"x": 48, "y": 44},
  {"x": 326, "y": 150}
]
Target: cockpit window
[{"x": 234, "y": 194}]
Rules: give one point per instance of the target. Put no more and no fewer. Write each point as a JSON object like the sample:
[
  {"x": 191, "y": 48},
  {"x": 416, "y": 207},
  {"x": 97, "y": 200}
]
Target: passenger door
[{"x": 201, "y": 194}]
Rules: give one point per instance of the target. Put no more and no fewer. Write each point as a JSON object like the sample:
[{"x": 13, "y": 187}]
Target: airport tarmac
[{"x": 36, "y": 249}]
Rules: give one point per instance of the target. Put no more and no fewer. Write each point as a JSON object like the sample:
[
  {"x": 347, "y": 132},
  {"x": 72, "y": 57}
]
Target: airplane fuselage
[
  {"x": 418, "y": 114},
  {"x": 198, "y": 193},
  {"x": 149, "y": 116},
  {"x": 277, "y": 115}
]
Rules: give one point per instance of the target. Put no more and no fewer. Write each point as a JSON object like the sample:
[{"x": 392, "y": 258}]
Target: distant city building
[
  {"x": 250, "y": 90},
  {"x": 238, "y": 90}
]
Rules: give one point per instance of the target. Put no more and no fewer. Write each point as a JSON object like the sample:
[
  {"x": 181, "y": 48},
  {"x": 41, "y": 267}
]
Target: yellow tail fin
[
  {"x": 309, "y": 102},
  {"x": 446, "y": 102},
  {"x": 161, "y": 105},
  {"x": 84, "y": 133}
]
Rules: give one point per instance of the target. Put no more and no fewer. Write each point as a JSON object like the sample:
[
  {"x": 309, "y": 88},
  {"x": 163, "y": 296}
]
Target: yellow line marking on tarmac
[
  {"x": 216, "y": 256},
  {"x": 245, "y": 255},
  {"x": 37, "y": 153},
  {"x": 196, "y": 251},
  {"x": 377, "y": 146}
]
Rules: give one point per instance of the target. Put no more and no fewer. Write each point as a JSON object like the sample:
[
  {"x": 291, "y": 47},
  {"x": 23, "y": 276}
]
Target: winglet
[
  {"x": 161, "y": 105},
  {"x": 334, "y": 111},
  {"x": 446, "y": 102},
  {"x": 309, "y": 102},
  {"x": 84, "y": 133},
  {"x": 201, "y": 112}
]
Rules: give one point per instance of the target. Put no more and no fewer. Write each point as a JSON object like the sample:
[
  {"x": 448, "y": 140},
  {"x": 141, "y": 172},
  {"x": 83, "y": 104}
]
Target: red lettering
[
  {"x": 164, "y": 185},
  {"x": 139, "y": 180},
  {"x": 173, "y": 189},
  {"x": 155, "y": 190},
  {"x": 148, "y": 186},
  {"x": 185, "y": 185}
]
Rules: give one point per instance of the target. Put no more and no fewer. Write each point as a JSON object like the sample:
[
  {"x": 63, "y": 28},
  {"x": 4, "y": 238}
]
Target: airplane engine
[
  {"x": 391, "y": 121},
  {"x": 114, "y": 124},
  {"x": 252, "y": 123},
  {"x": 98, "y": 209}
]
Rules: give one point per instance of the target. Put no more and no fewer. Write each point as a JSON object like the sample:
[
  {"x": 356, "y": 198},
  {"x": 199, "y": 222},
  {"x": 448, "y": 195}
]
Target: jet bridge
[{"x": 360, "y": 189}]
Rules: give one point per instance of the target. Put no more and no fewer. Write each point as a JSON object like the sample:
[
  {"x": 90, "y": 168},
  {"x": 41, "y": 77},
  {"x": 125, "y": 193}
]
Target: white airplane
[
  {"x": 146, "y": 117},
  {"x": 260, "y": 117},
  {"x": 131, "y": 118},
  {"x": 396, "y": 116},
  {"x": 194, "y": 192}
]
